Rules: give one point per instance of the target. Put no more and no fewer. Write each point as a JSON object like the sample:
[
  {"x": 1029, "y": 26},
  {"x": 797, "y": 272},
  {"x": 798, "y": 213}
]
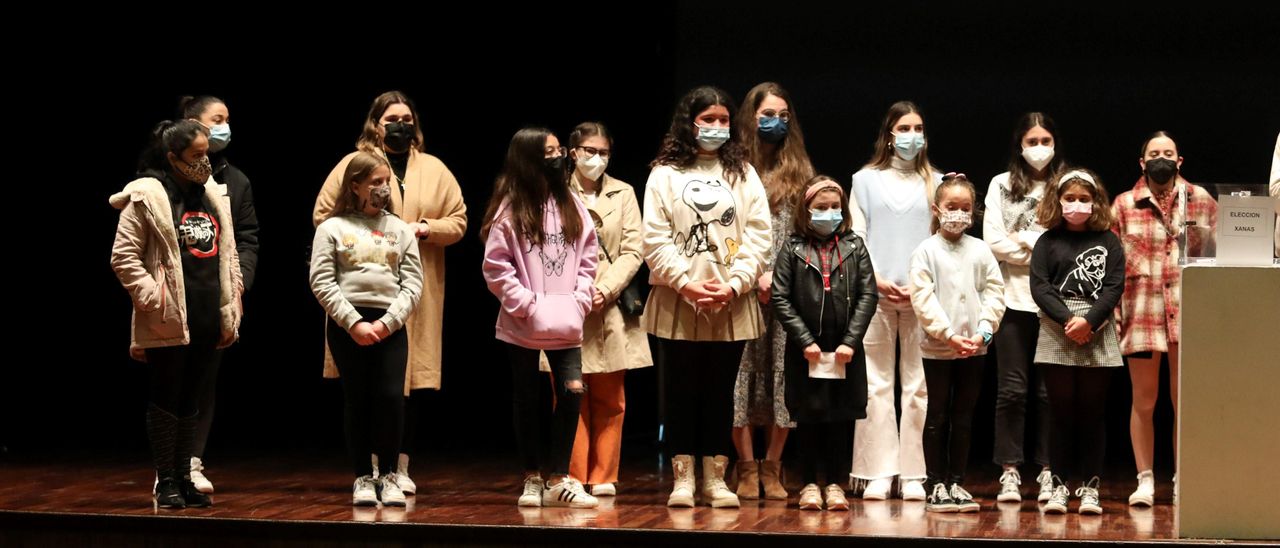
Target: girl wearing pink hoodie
[{"x": 540, "y": 262}]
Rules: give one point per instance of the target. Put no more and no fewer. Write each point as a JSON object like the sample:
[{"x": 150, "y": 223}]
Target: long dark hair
[
  {"x": 680, "y": 145},
  {"x": 1019, "y": 170},
  {"x": 785, "y": 171},
  {"x": 524, "y": 188}
]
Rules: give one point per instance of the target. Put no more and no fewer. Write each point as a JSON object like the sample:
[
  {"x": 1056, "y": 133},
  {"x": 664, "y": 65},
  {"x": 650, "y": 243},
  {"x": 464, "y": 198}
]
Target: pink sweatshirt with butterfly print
[{"x": 545, "y": 291}]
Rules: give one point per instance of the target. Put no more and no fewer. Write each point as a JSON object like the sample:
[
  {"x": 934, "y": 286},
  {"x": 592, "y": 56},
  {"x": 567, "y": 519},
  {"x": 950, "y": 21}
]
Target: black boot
[
  {"x": 162, "y": 428},
  {"x": 183, "y": 446}
]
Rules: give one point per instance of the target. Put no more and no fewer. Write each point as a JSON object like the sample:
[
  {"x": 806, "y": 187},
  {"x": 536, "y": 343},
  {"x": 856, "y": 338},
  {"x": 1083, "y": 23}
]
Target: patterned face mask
[{"x": 198, "y": 172}]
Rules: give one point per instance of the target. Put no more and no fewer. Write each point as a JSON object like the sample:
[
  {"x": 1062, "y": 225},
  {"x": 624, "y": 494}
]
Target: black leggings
[
  {"x": 1078, "y": 398},
  {"x": 179, "y": 374},
  {"x": 953, "y": 387},
  {"x": 829, "y": 443},
  {"x": 373, "y": 394},
  {"x": 697, "y": 381},
  {"x": 538, "y": 451}
]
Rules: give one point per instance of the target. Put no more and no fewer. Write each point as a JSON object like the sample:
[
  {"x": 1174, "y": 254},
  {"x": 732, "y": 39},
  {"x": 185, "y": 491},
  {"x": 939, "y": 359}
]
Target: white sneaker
[
  {"x": 402, "y": 476},
  {"x": 532, "y": 496},
  {"x": 1175, "y": 489},
  {"x": 1089, "y": 503},
  {"x": 913, "y": 490},
  {"x": 203, "y": 484},
  {"x": 389, "y": 491},
  {"x": 1045, "y": 479},
  {"x": 1057, "y": 503},
  {"x": 363, "y": 492},
  {"x": 811, "y": 497},
  {"x": 604, "y": 490},
  {"x": 568, "y": 493},
  {"x": 1009, "y": 482},
  {"x": 1145, "y": 494},
  {"x": 877, "y": 489}
]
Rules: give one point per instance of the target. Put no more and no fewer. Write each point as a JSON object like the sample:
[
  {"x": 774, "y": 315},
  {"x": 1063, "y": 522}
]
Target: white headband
[{"x": 1076, "y": 174}]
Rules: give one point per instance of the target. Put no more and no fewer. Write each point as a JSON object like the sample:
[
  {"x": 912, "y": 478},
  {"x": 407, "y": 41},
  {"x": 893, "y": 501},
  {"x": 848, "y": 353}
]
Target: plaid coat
[{"x": 1149, "y": 311}]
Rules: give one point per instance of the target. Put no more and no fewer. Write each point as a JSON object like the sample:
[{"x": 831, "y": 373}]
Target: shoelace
[
  {"x": 958, "y": 493},
  {"x": 1044, "y": 479},
  {"x": 940, "y": 492},
  {"x": 367, "y": 482},
  {"x": 1010, "y": 480},
  {"x": 1089, "y": 490},
  {"x": 532, "y": 485},
  {"x": 575, "y": 487},
  {"x": 1060, "y": 494}
]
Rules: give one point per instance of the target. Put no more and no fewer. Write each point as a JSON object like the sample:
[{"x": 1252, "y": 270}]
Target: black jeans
[
  {"x": 1016, "y": 377},
  {"x": 373, "y": 394},
  {"x": 1078, "y": 398},
  {"x": 538, "y": 451},
  {"x": 697, "y": 381},
  {"x": 828, "y": 443},
  {"x": 953, "y": 387}
]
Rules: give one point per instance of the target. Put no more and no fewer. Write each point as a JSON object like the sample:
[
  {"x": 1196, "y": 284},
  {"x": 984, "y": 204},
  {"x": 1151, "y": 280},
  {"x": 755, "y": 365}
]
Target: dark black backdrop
[{"x": 297, "y": 93}]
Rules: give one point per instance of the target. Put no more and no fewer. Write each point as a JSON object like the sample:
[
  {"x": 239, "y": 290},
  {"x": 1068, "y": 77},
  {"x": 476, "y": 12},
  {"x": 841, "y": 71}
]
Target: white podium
[{"x": 1229, "y": 411}]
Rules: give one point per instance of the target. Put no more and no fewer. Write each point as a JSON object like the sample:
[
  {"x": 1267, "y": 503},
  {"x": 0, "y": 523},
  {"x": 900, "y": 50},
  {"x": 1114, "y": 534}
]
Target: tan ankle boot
[
  {"x": 771, "y": 477},
  {"x": 682, "y": 491},
  {"x": 748, "y": 480},
  {"x": 714, "y": 490}
]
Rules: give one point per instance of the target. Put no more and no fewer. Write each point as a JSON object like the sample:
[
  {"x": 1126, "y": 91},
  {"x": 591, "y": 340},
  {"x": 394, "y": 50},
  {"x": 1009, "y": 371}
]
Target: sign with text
[{"x": 1246, "y": 228}]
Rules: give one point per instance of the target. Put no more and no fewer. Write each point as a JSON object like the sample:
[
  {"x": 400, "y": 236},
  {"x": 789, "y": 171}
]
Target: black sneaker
[
  {"x": 193, "y": 496},
  {"x": 940, "y": 500},
  {"x": 168, "y": 494},
  {"x": 963, "y": 500}
]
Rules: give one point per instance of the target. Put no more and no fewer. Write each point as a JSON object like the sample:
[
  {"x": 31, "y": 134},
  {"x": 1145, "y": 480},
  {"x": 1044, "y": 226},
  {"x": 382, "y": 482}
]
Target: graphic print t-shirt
[{"x": 197, "y": 228}]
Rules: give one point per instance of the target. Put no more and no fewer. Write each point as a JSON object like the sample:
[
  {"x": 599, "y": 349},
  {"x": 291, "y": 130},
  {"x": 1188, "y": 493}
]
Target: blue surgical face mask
[
  {"x": 772, "y": 129},
  {"x": 712, "y": 138},
  {"x": 219, "y": 137},
  {"x": 908, "y": 144},
  {"x": 825, "y": 222}
]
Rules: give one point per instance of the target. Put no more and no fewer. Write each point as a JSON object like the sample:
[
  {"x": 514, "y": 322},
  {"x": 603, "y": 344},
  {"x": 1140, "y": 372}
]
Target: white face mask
[
  {"x": 1038, "y": 156},
  {"x": 955, "y": 222},
  {"x": 592, "y": 166}
]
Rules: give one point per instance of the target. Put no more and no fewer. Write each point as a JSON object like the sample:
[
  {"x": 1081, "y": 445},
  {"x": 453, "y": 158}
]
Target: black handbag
[{"x": 631, "y": 300}]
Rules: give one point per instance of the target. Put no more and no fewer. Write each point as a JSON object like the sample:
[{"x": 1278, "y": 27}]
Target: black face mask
[
  {"x": 1161, "y": 170},
  {"x": 553, "y": 166},
  {"x": 399, "y": 136}
]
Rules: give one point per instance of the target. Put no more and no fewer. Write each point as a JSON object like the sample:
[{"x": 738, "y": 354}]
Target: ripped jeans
[{"x": 540, "y": 452}]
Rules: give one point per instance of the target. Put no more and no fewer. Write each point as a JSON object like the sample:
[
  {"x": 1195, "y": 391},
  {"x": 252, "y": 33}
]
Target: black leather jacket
[{"x": 797, "y": 292}]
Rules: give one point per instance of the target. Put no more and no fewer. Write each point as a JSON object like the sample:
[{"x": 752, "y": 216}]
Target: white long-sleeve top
[
  {"x": 1005, "y": 223},
  {"x": 956, "y": 289}
]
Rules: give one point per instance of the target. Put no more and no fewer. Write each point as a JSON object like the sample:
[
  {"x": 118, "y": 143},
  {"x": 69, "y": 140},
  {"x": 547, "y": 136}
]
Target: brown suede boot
[
  {"x": 771, "y": 477},
  {"x": 748, "y": 479}
]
